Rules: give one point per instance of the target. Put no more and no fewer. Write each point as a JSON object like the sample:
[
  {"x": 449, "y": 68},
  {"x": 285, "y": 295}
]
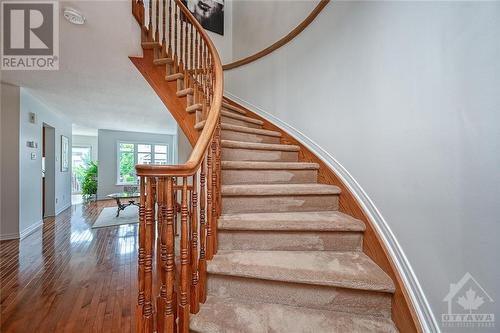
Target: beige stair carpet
[{"x": 288, "y": 260}]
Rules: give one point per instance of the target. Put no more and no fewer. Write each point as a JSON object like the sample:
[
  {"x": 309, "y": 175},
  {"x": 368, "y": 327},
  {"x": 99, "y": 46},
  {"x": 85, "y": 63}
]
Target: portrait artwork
[{"x": 210, "y": 14}]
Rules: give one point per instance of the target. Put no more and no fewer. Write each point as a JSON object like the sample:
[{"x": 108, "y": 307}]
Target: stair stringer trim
[{"x": 397, "y": 257}]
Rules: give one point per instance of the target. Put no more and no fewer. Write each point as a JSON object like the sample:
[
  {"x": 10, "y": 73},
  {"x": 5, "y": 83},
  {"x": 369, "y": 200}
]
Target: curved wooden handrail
[
  {"x": 197, "y": 154},
  {"x": 298, "y": 29},
  {"x": 166, "y": 299}
]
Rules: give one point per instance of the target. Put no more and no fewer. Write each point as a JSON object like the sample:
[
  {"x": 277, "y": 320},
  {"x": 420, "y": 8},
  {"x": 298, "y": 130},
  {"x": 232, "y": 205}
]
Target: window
[{"x": 130, "y": 154}]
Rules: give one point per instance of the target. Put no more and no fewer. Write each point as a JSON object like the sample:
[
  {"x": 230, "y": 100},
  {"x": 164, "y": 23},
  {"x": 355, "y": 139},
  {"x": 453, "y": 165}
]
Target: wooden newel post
[{"x": 184, "y": 274}]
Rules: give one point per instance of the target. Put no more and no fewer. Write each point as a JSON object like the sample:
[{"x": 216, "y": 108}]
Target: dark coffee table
[{"x": 130, "y": 197}]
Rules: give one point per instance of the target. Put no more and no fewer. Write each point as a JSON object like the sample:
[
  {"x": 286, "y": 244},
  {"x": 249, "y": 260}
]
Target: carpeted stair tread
[
  {"x": 175, "y": 76},
  {"x": 225, "y": 315},
  {"x": 244, "y": 129},
  {"x": 263, "y": 165},
  {"x": 163, "y": 61},
  {"x": 233, "y": 108},
  {"x": 233, "y": 115},
  {"x": 291, "y": 221},
  {"x": 258, "y": 146},
  {"x": 185, "y": 92},
  {"x": 352, "y": 270},
  {"x": 279, "y": 189}
]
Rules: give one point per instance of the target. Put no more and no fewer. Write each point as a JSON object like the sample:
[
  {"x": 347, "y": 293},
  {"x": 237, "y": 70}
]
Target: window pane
[
  {"x": 127, "y": 168},
  {"x": 144, "y": 158},
  {"x": 144, "y": 148},
  {"x": 160, "y": 158},
  {"x": 127, "y": 147},
  {"x": 160, "y": 149},
  {"x": 80, "y": 156}
]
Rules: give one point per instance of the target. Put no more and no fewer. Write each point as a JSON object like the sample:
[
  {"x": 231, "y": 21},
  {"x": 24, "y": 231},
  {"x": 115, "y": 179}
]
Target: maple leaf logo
[{"x": 470, "y": 301}]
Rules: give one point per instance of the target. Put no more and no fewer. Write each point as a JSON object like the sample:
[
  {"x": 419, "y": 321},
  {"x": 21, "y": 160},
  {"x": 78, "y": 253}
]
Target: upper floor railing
[
  {"x": 282, "y": 41},
  {"x": 179, "y": 204}
]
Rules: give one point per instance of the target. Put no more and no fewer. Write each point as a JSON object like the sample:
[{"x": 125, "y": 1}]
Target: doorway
[
  {"x": 48, "y": 171},
  {"x": 81, "y": 156}
]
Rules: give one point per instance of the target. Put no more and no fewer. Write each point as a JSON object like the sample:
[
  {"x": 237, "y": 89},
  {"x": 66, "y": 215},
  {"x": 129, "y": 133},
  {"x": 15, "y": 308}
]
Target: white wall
[
  {"x": 21, "y": 177},
  {"x": 406, "y": 96},
  {"x": 258, "y": 24},
  {"x": 184, "y": 148},
  {"x": 9, "y": 162},
  {"x": 87, "y": 140},
  {"x": 30, "y": 169},
  {"x": 107, "y": 155},
  {"x": 224, "y": 44}
]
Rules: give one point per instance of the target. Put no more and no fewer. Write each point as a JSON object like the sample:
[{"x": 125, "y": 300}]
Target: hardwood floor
[{"x": 66, "y": 277}]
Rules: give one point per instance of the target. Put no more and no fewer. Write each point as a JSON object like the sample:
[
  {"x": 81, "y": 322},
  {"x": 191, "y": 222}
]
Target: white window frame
[{"x": 136, "y": 143}]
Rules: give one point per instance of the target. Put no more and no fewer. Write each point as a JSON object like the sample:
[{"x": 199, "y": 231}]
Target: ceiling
[{"x": 96, "y": 85}]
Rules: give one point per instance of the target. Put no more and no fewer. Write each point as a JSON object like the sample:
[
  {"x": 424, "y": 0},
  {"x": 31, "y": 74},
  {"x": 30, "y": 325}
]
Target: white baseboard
[
  {"x": 62, "y": 209},
  {"x": 422, "y": 307},
  {"x": 9, "y": 236},
  {"x": 26, "y": 232}
]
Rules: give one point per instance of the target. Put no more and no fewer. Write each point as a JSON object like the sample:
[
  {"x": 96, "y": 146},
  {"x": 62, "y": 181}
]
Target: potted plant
[{"x": 89, "y": 180}]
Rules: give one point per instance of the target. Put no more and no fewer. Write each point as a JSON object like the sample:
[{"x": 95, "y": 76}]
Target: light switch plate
[
  {"x": 32, "y": 117},
  {"x": 32, "y": 144},
  {"x": 33, "y": 156}
]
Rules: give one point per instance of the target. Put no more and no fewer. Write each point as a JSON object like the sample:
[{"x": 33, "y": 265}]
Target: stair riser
[
  {"x": 291, "y": 203},
  {"x": 248, "y": 137},
  {"x": 236, "y": 154},
  {"x": 228, "y": 120},
  {"x": 269, "y": 176},
  {"x": 289, "y": 240},
  {"x": 303, "y": 295}
]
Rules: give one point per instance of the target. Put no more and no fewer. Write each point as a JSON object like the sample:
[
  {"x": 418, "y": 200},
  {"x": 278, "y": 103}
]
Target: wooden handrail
[
  {"x": 170, "y": 290},
  {"x": 196, "y": 157},
  {"x": 298, "y": 29}
]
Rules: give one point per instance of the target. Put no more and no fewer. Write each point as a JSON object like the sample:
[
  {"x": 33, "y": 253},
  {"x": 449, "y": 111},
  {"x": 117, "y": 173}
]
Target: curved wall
[
  {"x": 261, "y": 23},
  {"x": 406, "y": 96}
]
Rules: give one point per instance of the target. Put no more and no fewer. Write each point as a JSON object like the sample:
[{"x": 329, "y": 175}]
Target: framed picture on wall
[
  {"x": 64, "y": 153},
  {"x": 210, "y": 14}
]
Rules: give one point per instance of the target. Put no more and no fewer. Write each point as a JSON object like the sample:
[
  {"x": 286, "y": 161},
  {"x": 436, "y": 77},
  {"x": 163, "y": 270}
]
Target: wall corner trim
[
  {"x": 422, "y": 307},
  {"x": 29, "y": 230}
]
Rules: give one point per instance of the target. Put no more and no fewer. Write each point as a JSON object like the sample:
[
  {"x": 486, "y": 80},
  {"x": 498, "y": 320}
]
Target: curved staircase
[
  {"x": 287, "y": 260},
  {"x": 253, "y": 233}
]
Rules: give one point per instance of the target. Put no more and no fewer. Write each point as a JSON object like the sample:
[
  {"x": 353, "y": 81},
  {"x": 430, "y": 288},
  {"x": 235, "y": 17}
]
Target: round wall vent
[{"x": 73, "y": 16}]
